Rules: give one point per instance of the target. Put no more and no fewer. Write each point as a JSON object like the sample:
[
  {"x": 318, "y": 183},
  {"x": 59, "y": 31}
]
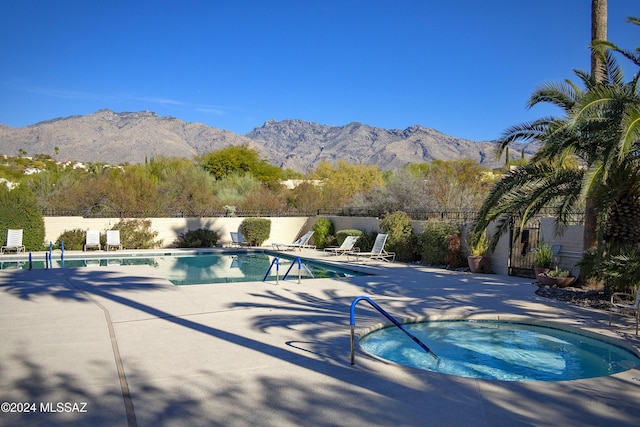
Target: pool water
[
  {"x": 194, "y": 269},
  {"x": 500, "y": 350}
]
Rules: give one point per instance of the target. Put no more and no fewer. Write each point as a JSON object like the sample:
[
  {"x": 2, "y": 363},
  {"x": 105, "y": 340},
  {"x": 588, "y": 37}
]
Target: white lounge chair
[
  {"x": 14, "y": 242},
  {"x": 622, "y": 302},
  {"x": 113, "y": 240},
  {"x": 92, "y": 240},
  {"x": 346, "y": 246},
  {"x": 301, "y": 243},
  {"x": 237, "y": 240},
  {"x": 377, "y": 252}
]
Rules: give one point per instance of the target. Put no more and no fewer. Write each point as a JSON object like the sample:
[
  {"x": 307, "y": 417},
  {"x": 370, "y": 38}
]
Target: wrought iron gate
[{"x": 522, "y": 258}]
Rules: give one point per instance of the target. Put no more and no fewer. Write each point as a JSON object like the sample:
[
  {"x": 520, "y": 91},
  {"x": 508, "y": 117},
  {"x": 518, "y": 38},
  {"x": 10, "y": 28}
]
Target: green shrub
[
  {"x": 435, "y": 241},
  {"x": 400, "y": 240},
  {"x": 619, "y": 268},
  {"x": 366, "y": 240},
  {"x": 342, "y": 234},
  {"x": 200, "y": 238},
  {"x": 255, "y": 230},
  {"x": 135, "y": 234},
  {"x": 74, "y": 240},
  {"x": 19, "y": 210},
  {"x": 323, "y": 233}
]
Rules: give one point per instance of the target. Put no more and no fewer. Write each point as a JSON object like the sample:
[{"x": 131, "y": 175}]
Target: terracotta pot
[
  {"x": 561, "y": 282},
  {"x": 539, "y": 270},
  {"x": 477, "y": 264}
]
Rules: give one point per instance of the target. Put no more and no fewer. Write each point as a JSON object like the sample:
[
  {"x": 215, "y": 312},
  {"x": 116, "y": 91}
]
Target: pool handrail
[
  {"x": 352, "y": 323},
  {"x": 296, "y": 261},
  {"x": 275, "y": 261}
]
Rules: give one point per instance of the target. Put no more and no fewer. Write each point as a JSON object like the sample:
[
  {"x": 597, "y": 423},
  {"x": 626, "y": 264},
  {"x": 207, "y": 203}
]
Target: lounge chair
[
  {"x": 301, "y": 243},
  {"x": 622, "y": 302},
  {"x": 113, "y": 240},
  {"x": 377, "y": 252},
  {"x": 14, "y": 242},
  {"x": 92, "y": 240},
  {"x": 346, "y": 246},
  {"x": 237, "y": 240}
]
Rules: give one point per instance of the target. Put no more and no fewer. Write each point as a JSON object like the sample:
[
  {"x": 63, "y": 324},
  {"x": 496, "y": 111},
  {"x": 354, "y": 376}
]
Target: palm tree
[{"x": 591, "y": 154}]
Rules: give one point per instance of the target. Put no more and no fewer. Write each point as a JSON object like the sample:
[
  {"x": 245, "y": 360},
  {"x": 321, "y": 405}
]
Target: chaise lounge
[
  {"x": 14, "y": 242},
  {"x": 301, "y": 243},
  {"x": 377, "y": 252},
  {"x": 346, "y": 246}
]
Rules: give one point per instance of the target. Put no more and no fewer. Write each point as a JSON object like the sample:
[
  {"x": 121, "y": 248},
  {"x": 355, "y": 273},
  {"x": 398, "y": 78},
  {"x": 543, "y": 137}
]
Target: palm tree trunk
[{"x": 598, "y": 32}]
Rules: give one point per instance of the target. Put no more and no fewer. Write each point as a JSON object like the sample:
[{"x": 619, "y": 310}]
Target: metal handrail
[
  {"x": 275, "y": 261},
  {"x": 388, "y": 316},
  {"x": 296, "y": 261}
]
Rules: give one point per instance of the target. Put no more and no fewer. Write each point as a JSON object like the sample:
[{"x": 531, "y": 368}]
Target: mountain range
[{"x": 133, "y": 137}]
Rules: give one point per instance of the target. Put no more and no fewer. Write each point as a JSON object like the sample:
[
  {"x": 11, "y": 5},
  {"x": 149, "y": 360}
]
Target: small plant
[
  {"x": 558, "y": 273},
  {"x": 544, "y": 254},
  {"x": 479, "y": 245},
  {"x": 229, "y": 210},
  {"x": 200, "y": 238},
  {"x": 255, "y": 230}
]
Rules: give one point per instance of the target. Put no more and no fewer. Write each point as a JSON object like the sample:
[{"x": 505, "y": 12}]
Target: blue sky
[{"x": 463, "y": 67}]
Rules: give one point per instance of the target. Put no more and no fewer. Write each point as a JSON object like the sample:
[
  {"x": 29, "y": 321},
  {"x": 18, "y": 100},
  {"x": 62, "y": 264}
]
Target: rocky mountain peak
[{"x": 133, "y": 137}]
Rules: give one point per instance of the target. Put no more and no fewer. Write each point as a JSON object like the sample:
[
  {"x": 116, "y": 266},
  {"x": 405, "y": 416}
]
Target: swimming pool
[
  {"x": 501, "y": 350},
  {"x": 201, "y": 268}
]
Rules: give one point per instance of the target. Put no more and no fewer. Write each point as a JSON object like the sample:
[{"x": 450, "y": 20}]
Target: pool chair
[
  {"x": 14, "y": 242},
  {"x": 301, "y": 243},
  {"x": 113, "y": 240},
  {"x": 622, "y": 302},
  {"x": 346, "y": 246},
  {"x": 92, "y": 240},
  {"x": 237, "y": 240},
  {"x": 377, "y": 252}
]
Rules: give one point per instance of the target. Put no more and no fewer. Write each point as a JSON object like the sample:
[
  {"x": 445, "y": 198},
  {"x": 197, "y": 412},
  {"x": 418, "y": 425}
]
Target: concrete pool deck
[{"x": 123, "y": 347}]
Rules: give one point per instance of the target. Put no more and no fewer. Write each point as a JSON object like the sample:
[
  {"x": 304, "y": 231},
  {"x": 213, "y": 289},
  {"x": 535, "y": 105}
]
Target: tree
[
  {"x": 579, "y": 159},
  {"x": 598, "y": 33},
  {"x": 344, "y": 180},
  {"x": 239, "y": 160}
]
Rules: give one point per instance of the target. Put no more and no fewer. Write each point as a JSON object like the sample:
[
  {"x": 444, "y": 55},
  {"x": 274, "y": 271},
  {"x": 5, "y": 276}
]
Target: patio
[{"x": 138, "y": 350}]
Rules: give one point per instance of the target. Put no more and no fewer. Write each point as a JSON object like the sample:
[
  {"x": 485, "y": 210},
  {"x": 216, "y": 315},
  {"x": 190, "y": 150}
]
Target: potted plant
[
  {"x": 478, "y": 247},
  {"x": 556, "y": 277},
  {"x": 544, "y": 254}
]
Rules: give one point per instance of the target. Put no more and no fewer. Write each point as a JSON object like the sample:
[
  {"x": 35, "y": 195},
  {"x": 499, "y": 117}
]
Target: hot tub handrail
[{"x": 388, "y": 316}]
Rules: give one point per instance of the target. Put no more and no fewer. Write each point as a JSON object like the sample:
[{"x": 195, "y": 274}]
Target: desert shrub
[
  {"x": 323, "y": 233},
  {"x": 435, "y": 240},
  {"x": 342, "y": 234},
  {"x": 135, "y": 234},
  {"x": 200, "y": 238},
  {"x": 454, "y": 252},
  {"x": 255, "y": 230},
  {"x": 19, "y": 210},
  {"x": 73, "y": 239},
  {"x": 400, "y": 240}
]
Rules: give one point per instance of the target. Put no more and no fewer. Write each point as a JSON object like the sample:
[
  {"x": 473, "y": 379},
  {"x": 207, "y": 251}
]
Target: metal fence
[{"x": 455, "y": 216}]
